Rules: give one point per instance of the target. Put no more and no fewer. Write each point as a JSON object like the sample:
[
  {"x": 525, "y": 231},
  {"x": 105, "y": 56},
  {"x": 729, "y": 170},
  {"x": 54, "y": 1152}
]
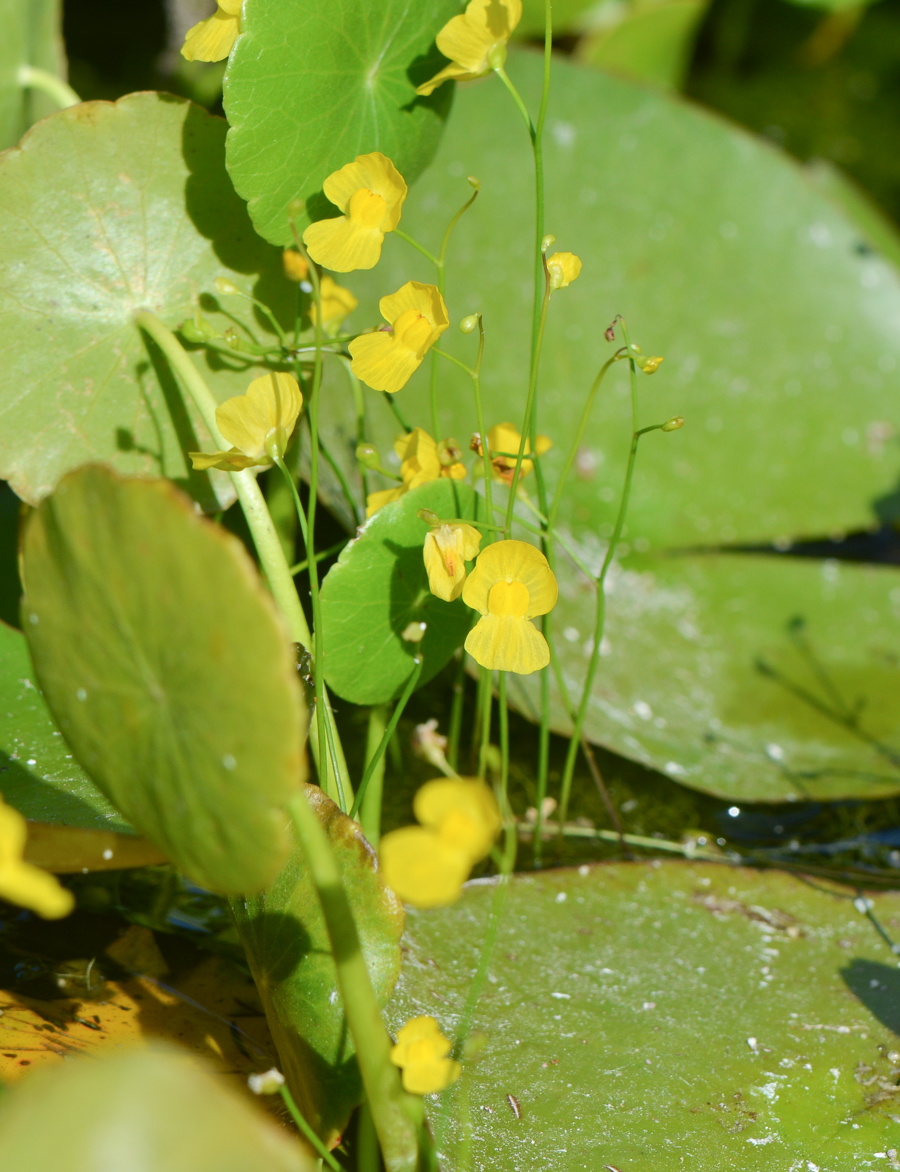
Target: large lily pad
[
  {"x": 309, "y": 87},
  {"x": 143, "y": 216},
  {"x": 672, "y": 1015},
  {"x": 141, "y": 1111},
  {"x": 168, "y": 671},
  {"x": 289, "y": 952},
  {"x": 726, "y": 259},
  {"x": 378, "y": 588},
  {"x": 38, "y": 772},
  {"x": 760, "y": 678},
  {"x": 31, "y": 36}
]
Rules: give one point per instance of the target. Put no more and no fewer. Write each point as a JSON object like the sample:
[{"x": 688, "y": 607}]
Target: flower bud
[
  {"x": 429, "y": 516},
  {"x": 225, "y": 287},
  {"x": 268, "y": 1083},
  {"x": 468, "y": 324},
  {"x": 475, "y": 443},
  {"x": 676, "y": 422},
  {"x": 497, "y": 55},
  {"x": 649, "y": 365},
  {"x": 296, "y": 266},
  {"x": 198, "y": 330},
  {"x": 367, "y": 455},
  {"x": 473, "y": 182},
  {"x": 610, "y": 333},
  {"x": 547, "y": 242},
  {"x": 563, "y": 268}
]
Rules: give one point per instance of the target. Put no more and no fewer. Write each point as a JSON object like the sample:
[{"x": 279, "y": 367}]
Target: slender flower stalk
[{"x": 259, "y": 521}]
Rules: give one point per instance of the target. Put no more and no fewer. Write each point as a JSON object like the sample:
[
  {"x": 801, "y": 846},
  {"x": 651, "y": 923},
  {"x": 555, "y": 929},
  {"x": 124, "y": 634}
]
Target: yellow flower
[
  {"x": 337, "y": 303},
  {"x": 258, "y": 424},
  {"x": 386, "y": 359},
  {"x": 422, "y": 1052},
  {"x": 420, "y": 463},
  {"x": 21, "y": 882},
  {"x": 563, "y": 267},
  {"x": 370, "y": 192},
  {"x": 504, "y": 437},
  {"x": 213, "y": 39},
  {"x": 447, "y": 549},
  {"x": 511, "y": 584},
  {"x": 296, "y": 266},
  {"x": 427, "y": 865},
  {"x": 462, "y": 811},
  {"x": 473, "y": 39}
]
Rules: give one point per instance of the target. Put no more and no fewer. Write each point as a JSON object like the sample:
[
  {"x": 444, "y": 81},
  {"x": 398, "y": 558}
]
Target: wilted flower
[{"x": 563, "y": 267}]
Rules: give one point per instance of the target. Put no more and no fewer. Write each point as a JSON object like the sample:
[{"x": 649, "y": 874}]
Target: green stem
[
  {"x": 600, "y": 614},
  {"x": 456, "y": 712},
  {"x": 441, "y": 265},
  {"x": 576, "y": 443},
  {"x": 529, "y": 405},
  {"x": 359, "y": 400},
  {"x": 396, "y": 412},
  {"x": 503, "y": 710},
  {"x": 418, "y": 247},
  {"x": 368, "y": 1157},
  {"x": 305, "y": 1130},
  {"x": 388, "y": 732},
  {"x": 487, "y": 697},
  {"x": 395, "y": 1113},
  {"x": 370, "y": 804},
  {"x": 342, "y": 481},
  {"x": 259, "y": 521},
  {"x": 30, "y": 77},
  {"x": 338, "y": 765},
  {"x": 479, "y": 415},
  {"x": 321, "y": 556},
  {"x": 318, "y": 630},
  {"x": 543, "y": 531}
]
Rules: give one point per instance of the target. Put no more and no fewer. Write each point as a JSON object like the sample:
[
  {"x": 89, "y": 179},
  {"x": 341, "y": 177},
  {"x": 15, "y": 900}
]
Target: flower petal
[
  {"x": 377, "y": 500},
  {"x": 337, "y": 302},
  {"x": 342, "y": 246},
  {"x": 505, "y": 643},
  {"x": 462, "y": 810},
  {"x": 451, "y": 72},
  {"x": 381, "y": 364},
  {"x": 512, "y": 561},
  {"x": 420, "y": 868},
  {"x": 212, "y": 39},
  {"x": 373, "y": 172},
  {"x": 424, "y": 299},
  {"x": 233, "y": 461},
  {"x": 271, "y": 401}
]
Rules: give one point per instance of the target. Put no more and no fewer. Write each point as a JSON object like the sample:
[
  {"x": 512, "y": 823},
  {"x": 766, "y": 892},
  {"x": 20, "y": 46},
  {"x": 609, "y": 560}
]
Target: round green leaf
[
  {"x": 168, "y": 671},
  {"x": 105, "y": 209},
  {"x": 757, "y": 679},
  {"x": 378, "y": 587},
  {"x": 289, "y": 952},
  {"x": 777, "y": 321},
  {"x": 154, "y": 1110},
  {"x": 650, "y": 43},
  {"x": 31, "y": 36},
  {"x": 669, "y": 1016},
  {"x": 38, "y": 773},
  {"x": 309, "y": 87}
]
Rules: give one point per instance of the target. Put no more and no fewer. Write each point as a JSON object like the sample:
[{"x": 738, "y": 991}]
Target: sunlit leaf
[
  {"x": 168, "y": 671},
  {"x": 106, "y": 209},
  {"x": 378, "y": 587},
  {"x": 309, "y": 87},
  {"x": 672, "y": 1014},
  {"x": 289, "y": 954}
]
